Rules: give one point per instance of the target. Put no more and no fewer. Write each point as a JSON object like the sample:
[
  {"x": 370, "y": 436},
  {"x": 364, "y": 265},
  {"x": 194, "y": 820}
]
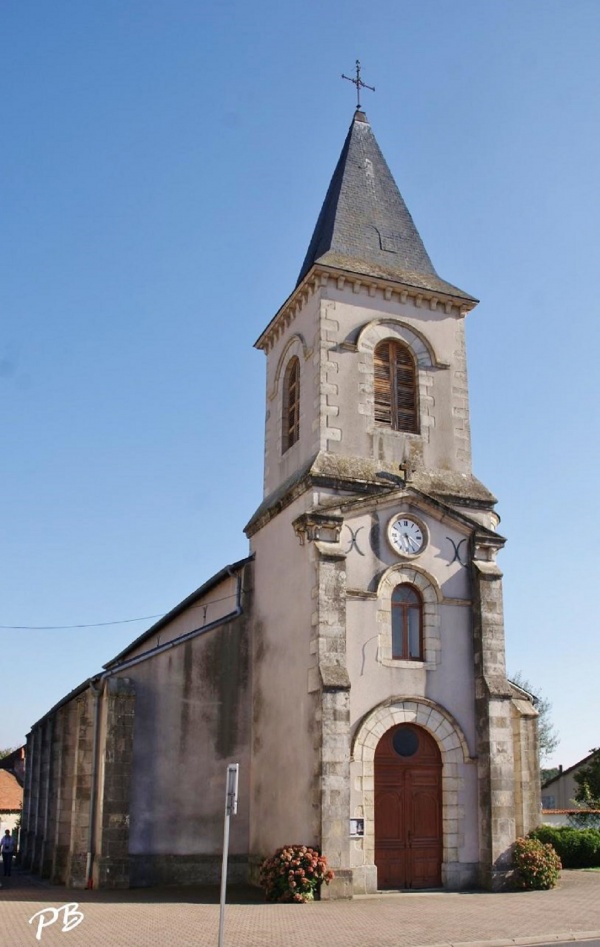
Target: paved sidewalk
[{"x": 189, "y": 917}]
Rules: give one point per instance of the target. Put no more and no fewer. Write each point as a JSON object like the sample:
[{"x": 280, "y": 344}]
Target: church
[{"x": 354, "y": 663}]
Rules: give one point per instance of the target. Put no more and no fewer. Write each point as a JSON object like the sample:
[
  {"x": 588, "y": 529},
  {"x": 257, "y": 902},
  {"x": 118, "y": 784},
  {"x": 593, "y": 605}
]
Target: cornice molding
[{"x": 321, "y": 276}]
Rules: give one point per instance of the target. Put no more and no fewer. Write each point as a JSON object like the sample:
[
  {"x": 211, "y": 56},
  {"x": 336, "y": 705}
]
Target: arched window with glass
[
  {"x": 291, "y": 404},
  {"x": 395, "y": 386},
  {"x": 407, "y": 623}
]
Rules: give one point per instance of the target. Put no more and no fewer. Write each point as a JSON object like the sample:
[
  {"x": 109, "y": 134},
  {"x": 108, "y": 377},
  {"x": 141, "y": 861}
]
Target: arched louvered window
[
  {"x": 395, "y": 386},
  {"x": 407, "y": 623},
  {"x": 291, "y": 404}
]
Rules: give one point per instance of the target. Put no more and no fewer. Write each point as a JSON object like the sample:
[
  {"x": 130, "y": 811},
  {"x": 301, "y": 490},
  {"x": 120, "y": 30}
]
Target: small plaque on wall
[{"x": 357, "y": 828}]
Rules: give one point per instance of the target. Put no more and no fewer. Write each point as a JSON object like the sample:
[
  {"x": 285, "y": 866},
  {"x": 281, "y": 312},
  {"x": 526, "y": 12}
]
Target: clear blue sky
[{"x": 162, "y": 167}]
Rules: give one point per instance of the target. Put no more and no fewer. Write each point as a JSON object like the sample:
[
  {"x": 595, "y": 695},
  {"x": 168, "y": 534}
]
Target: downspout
[{"x": 97, "y": 685}]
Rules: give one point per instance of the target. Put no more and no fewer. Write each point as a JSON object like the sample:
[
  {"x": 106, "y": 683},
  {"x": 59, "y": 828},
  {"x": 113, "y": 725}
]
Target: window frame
[
  {"x": 404, "y": 610},
  {"x": 395, "y": 386},
  {"x": 290, "y": 413}
]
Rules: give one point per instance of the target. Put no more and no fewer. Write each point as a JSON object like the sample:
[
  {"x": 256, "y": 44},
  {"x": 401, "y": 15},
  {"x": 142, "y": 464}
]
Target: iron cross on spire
[{"x": 358, "y": 83}]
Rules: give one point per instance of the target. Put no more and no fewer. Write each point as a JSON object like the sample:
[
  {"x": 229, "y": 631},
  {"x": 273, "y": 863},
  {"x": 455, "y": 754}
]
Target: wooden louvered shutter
[
  {"x": 383, "y": 384},
  {"x": 395, "y": 387},
  {"x": 291, "y": 404},
  {"x": 405, "y": 389}
]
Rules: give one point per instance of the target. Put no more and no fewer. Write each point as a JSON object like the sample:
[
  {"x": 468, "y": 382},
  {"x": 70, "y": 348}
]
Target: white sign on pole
[
  {"x": 233, "y": 772},
  {"x": 231, "y": 803}
]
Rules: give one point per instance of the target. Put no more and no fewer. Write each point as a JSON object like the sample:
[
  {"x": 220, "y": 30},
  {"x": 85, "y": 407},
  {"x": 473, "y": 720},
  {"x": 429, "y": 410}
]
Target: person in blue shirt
[{"x": 7, "y": 847}]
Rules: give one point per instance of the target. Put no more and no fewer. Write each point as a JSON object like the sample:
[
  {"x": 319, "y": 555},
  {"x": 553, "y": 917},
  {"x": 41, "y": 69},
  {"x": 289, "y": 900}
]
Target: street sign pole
[{"x": 231, "y": 802}]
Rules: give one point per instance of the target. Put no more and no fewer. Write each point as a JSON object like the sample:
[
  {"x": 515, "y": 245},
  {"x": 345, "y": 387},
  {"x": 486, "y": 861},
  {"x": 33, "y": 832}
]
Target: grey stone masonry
[
  {"x": 460, "y": 401},
  {"x": 43, "y": 860},
  {"x": 31, "y": 835},
  {"x": 524, "y": 720},
  {"x": 330, "y": 630},
  {"x": 81, "y": 791},
  {"x": 62, "y": 796},
  {"x": 57, "y": 793},
  {"x": 76, "y": 813},
  {"x": 111, "y": 863},
  {"x": 494, "y": 727}
]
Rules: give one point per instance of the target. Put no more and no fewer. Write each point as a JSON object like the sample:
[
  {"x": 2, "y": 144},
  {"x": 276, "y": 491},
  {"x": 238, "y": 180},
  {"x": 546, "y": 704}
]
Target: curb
[{"x": 565, "y": 937}]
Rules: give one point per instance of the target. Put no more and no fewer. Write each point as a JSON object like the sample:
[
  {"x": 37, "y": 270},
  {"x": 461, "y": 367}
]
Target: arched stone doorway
[{"x": 408, "y": 809}]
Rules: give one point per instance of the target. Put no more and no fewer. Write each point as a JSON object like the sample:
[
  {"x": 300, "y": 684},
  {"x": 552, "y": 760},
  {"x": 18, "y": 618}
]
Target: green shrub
[
  {"x": 294, "y": 873},
  {"x": 577, "y": 848},
  {"x": 535, "y": 863}
]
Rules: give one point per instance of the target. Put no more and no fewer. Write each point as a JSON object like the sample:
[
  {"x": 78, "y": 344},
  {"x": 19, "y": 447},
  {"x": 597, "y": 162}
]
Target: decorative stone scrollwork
[{"x": 313, "y": 527}]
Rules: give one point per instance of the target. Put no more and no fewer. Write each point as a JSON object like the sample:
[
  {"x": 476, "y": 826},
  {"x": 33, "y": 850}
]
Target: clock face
[{"x": 406, "y": 535}]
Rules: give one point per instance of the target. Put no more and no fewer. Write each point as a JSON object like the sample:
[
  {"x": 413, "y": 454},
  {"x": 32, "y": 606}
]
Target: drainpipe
[{"x": 97, "y": 686}]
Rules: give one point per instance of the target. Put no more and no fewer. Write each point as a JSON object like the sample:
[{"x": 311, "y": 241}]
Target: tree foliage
[
  {"x": 588, "y": 782},
  {"x": 6, "y": 752},
  {"x": 548, "y": 773},
  {"x": 548, "y": 734}
]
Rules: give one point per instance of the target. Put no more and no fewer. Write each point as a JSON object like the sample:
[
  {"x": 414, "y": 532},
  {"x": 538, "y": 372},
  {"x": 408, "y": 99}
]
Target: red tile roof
[{"x": 11, "y": 794}]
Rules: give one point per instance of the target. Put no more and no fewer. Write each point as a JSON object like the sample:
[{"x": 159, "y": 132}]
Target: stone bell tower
[{"x": 378, "y": 623}]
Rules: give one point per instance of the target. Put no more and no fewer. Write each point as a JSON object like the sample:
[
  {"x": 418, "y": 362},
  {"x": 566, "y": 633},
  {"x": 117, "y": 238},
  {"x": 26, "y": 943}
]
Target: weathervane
[{"x": 358, "y": 83}]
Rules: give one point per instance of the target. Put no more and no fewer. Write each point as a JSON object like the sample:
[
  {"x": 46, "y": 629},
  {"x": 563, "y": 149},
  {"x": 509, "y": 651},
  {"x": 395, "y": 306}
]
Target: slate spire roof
[{"x": 365, "y": 226}]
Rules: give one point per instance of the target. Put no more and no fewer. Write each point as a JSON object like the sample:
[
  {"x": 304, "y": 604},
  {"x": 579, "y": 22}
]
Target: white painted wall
[
  {"x": 301, "y": 340},
  {"x": 336, "y": 381},
  {"x": 8, "y": 820},
  {"x": 353, "y": 313},
  {"x": 192, "y": 718},
  {"x": 284, "y": 723},
  {"x": 215, "y": 604},
  {"x": 334, "y": 331},
  {"x": 449, "y": 681}
]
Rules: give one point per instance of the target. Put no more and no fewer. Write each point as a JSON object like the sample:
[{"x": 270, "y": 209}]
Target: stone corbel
[
  {"x": 311, "y": 527},
  {"x": 487, "y": 570},
  {"x": 486, "y": 547},
  {"x": 334, "y": 677},
  {"x": 330, "y": 550}
]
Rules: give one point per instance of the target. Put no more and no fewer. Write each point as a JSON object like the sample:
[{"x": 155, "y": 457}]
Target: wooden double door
[{"x": 408, "y": 809}]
